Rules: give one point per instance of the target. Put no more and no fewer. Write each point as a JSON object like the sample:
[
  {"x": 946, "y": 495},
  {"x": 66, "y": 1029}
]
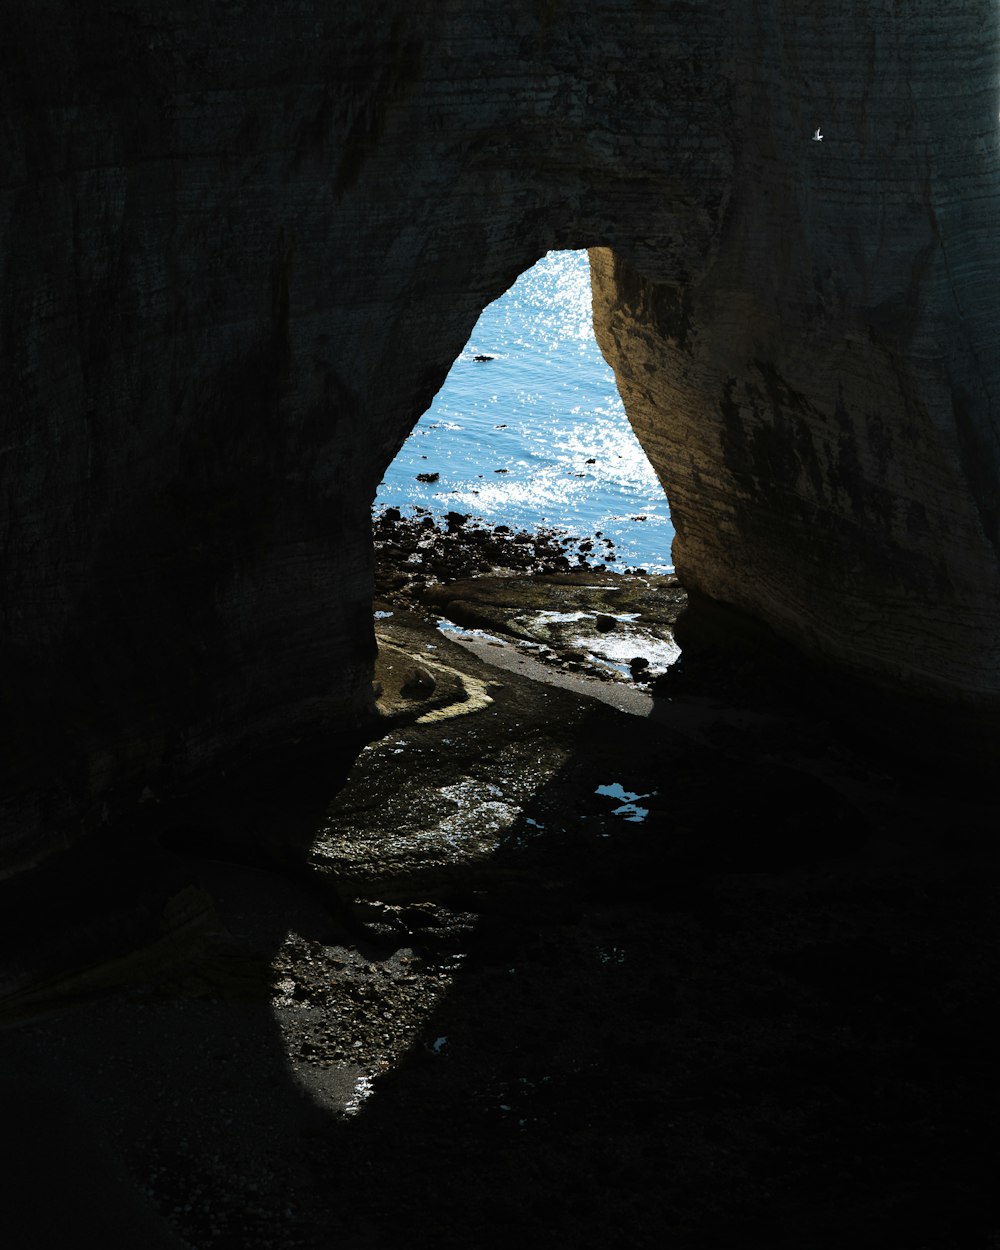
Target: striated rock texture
[
  {"x": 242, "y": 244},
  {"x": 815, "y": 388}
]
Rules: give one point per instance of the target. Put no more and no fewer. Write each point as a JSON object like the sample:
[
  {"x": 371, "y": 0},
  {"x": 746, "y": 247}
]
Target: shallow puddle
[
  {"x": 629, "y": 809},
  {"x": 462, "y": 631},
  {"x": 617, "y": 651},
  {"x": 613, "y": 648}
]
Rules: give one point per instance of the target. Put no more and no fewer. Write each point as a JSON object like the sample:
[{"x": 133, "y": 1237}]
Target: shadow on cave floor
[{"x": 650, "y": 991}]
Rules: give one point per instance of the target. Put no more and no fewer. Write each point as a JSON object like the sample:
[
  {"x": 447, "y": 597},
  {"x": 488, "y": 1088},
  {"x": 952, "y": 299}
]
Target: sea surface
[{"x": 536, "y": 437}]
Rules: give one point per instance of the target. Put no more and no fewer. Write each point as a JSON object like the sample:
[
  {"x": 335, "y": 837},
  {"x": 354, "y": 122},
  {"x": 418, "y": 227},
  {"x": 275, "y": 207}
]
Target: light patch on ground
[
  {"x": 482, "y": 815},
  {"x": 478, "y": 699}
]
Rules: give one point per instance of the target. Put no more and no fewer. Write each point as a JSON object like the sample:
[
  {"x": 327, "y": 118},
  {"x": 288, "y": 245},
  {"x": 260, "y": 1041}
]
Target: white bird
[{"x": 817, "y": 136}]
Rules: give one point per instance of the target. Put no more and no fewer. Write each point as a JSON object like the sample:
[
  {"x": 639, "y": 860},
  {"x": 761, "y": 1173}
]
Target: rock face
[
  {"x": 815, "y": 388},
  {"x": 243, "y": 244}
]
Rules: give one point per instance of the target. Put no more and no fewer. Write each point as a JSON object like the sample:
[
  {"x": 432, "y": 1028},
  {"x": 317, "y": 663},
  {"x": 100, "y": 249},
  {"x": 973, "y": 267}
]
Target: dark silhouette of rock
[{"x": 417, "y": 682}]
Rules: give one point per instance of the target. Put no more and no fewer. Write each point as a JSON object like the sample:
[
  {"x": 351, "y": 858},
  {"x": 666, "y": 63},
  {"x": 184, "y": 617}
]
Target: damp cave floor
[{"x": 705, "y": 979}]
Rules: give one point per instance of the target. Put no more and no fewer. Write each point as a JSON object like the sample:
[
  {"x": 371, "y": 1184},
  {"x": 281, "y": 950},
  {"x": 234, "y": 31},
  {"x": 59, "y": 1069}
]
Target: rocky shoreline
[
  {"x": 417, "y": 546},
  {"x": 552, "y": 595}
]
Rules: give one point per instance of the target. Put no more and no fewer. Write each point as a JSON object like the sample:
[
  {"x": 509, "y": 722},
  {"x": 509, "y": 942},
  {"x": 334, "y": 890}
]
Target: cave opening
[
  {"x": 529, "y": 432},
  {"x": 525, "y": 464}
]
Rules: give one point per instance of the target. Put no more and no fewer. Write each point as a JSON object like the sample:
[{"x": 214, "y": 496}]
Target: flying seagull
[{"x": 817, "y": 135}]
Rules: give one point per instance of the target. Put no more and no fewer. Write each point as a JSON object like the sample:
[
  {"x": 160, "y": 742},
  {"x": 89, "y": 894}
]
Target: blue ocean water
[{"x": 536, "y": 437}]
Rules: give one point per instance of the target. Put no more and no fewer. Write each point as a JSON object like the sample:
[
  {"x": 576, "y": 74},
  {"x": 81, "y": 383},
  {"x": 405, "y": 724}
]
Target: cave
[
  {"x": 187, "y": 563},
  {"x": 239, "y": 257}
]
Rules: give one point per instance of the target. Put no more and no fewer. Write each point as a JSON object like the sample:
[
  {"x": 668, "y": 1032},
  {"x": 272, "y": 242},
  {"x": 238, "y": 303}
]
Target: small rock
[{"x": 418, "y": 682}]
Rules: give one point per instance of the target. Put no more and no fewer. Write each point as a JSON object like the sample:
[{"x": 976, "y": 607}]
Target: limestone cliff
[
  {"x": 242, "y": 244},
  {"x": 816, "y": 390}
]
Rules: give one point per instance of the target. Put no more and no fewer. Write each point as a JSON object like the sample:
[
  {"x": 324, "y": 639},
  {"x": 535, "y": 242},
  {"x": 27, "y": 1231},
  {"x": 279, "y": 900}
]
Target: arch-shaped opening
[
  {"x": 527, "y": 448},
  {"x": 529, "y": 430}
]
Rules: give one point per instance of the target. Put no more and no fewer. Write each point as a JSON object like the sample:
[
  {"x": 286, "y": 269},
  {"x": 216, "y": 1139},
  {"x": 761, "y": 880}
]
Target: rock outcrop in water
[{"x": 242, "y": 248}]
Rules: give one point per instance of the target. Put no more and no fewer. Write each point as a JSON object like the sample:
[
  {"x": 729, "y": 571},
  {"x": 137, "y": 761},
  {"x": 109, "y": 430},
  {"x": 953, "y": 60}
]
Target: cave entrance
[
  {"x": 526, "y": 464},
  {"x": 529, "y": 431}
]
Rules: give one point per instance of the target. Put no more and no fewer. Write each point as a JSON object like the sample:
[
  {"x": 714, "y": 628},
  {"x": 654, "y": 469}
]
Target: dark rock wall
[{"x": 243, "y": 242}]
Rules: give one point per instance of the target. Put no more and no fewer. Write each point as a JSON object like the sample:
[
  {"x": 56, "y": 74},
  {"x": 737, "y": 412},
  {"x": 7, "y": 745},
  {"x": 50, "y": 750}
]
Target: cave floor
[{"x": 710, "y": 978}]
